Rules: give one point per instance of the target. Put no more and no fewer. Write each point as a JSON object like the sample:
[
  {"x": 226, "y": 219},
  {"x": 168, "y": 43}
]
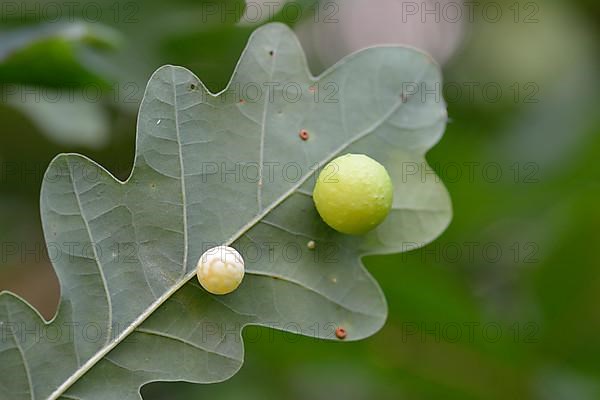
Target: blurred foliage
[
  {"x": 47, "y": 54},
  {"x": 543, "y": 292}
]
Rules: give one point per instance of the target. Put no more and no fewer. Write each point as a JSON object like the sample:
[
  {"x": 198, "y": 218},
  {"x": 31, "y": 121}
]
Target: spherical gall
[
  {"x": 220, "y": 270},
  {"x": 353, "y": 194}
]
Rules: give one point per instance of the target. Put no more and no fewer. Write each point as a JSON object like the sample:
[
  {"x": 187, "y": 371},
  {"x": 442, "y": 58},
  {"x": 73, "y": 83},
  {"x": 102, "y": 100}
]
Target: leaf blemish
[
  {"x": 192, "y": 86},
  {"x": 271, "y": 53},
  {"x": 304, "y": 135},
  {"x": 341, "y": 333}
]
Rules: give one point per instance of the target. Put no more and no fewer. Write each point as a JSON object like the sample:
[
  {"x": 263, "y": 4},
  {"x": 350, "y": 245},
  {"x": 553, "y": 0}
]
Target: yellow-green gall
[{"x": 353, "y": 194}]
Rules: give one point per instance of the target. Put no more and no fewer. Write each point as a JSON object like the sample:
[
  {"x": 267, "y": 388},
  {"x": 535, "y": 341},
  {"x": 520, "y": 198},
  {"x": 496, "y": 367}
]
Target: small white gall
[{"x": 220, "y": 270}]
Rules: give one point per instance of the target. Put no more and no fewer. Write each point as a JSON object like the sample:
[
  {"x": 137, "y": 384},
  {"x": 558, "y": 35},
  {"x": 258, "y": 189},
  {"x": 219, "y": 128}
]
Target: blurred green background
[{"x": 504, "y": 305}]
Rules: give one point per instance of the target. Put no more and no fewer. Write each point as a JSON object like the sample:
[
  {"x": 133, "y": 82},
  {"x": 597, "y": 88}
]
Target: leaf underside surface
[{"x": 227, "y": 168}]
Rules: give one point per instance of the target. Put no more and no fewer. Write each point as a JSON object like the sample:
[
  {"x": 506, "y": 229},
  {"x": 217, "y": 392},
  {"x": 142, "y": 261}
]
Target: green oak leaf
[{"x": 125, "y": 252}]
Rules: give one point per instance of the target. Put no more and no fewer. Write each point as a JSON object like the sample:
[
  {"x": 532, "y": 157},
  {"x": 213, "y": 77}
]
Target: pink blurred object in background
[{"x": 343, "y": 27}]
